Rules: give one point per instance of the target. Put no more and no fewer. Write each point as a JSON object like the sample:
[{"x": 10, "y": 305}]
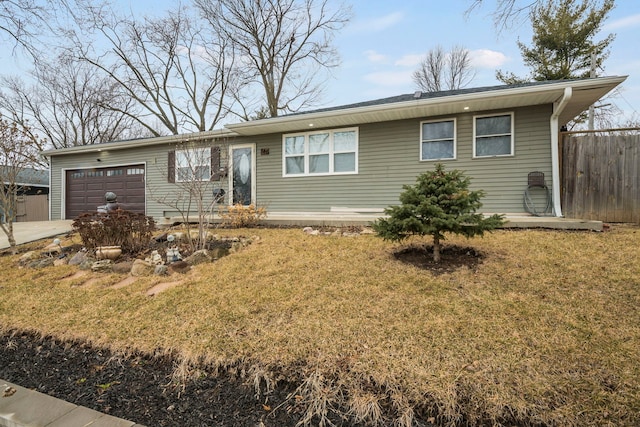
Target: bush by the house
[
  {"x": 129, "y": 230},
  {"x": 239, "y": 216}
]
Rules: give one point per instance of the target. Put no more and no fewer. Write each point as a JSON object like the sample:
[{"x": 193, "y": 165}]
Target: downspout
[
  {"x": 558, "y": 106},
  {"x": 49, "y": 195}
]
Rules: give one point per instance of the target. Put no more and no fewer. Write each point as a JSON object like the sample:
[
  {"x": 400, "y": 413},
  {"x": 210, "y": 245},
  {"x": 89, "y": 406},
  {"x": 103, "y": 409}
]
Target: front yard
[{"x": 544, "y": 330}]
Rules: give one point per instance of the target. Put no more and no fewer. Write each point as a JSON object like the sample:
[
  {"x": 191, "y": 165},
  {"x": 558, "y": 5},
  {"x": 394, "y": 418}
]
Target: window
[
  {"x": 493, "y": 135},
  {"x": 438, "y": 140},
  {"x": 193, "y": 164},
  {"x": 115, "y": 172},
  {"x": 135, "y": 171},
  {"x": 321, "y": 153}
]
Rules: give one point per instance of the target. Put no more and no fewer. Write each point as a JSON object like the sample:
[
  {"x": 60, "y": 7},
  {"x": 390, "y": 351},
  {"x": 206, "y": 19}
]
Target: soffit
[{"x": 585, "y": 93}]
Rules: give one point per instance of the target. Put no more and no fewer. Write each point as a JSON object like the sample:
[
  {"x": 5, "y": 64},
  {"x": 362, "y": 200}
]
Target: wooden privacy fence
[
  {"x": 601, "y": 176},
  {"x": 32, "y": 208}
]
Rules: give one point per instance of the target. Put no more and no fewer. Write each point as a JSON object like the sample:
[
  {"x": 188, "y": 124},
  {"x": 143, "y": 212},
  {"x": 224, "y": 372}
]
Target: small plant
[
  {"x": 240, "y": 216},
  {"x": 129, "y": 230},
  {"x": 440, "y": 202}
]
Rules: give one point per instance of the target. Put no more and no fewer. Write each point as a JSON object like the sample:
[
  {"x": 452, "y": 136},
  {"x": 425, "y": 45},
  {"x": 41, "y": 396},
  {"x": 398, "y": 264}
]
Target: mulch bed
[{"x": 137, "y": 387}]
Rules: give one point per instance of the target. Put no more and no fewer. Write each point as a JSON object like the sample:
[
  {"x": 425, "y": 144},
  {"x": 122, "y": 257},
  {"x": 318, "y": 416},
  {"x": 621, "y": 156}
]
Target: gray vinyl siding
[
  {"x": 153, "y": 157},
  {"x": 389, "y": 157}
]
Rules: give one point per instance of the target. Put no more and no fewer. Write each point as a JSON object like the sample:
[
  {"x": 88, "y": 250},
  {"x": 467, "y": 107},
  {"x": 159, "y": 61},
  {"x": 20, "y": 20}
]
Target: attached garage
[{"x": 85, "y": 188}]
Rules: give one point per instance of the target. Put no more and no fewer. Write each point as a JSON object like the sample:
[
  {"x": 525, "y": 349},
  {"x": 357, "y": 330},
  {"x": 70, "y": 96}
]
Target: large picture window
[
  {"x": 493, "y": 135},
  {"x": 438, "y": 140},
  {"x": 321, "y": 153}
]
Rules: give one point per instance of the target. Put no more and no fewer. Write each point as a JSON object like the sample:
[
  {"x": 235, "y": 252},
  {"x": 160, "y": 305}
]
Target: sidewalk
[
  {"x": 23, "y": 407},
  {"x": 25, "y": 232}
]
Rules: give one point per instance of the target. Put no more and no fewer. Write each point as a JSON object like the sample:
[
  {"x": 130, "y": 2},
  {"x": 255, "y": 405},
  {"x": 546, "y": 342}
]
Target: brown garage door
[{"x": 86, "y": 188}]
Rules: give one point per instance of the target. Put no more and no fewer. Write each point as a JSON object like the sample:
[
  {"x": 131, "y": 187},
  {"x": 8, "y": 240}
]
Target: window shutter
[
  {"x": 171, "y": 167},
  {"x": 216, "y": 172}
]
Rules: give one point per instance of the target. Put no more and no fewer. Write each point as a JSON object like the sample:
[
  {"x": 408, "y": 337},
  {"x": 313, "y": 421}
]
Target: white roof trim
[
  {"x": 500, "y": 98},
  {"x": 142, "y": 142}
]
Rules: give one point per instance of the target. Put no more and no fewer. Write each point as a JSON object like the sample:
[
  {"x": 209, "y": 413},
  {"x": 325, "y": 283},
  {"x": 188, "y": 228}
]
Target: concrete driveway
[{"x": 35, "y": 230}]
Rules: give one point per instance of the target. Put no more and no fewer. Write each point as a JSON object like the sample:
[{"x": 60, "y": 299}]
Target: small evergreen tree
[{"x": 440, "y": 202}]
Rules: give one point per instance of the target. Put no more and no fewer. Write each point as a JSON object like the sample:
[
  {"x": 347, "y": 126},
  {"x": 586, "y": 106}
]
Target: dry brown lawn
[{"x": 544, "y": 331}]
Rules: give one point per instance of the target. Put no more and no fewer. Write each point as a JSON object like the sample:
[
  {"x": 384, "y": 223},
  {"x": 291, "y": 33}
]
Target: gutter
[{"x": 558, "y": 107}]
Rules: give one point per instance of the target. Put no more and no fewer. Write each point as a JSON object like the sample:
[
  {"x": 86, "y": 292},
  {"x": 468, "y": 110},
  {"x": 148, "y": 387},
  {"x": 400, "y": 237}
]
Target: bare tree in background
[
  {"x": 506, "y": 12},
  {"x": 19, "y": 152},
  {"x": 177, "y": 74},
  {"x": 67, "y": 103},
  {"x": 441, "y": 70},
  {"x": 22, "y": 20},
  {"x": 287, "y": 45}
]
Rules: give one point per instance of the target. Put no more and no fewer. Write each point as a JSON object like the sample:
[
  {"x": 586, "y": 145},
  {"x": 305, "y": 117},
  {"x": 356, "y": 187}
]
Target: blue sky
[
  {"x": 382, "y": 47},
  {"x": 385, "y": 40},
  {"x": 383, "y": 44}
]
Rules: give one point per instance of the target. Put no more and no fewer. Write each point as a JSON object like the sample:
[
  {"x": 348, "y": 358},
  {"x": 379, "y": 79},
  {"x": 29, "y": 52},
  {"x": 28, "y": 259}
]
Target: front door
[{"x": 242, "y": 180}]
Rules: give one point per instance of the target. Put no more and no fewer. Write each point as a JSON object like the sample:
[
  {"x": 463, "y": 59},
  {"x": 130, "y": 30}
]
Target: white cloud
[
  {"x": 411, "y": 60},
  {"x": 378, "y": 24},
  {"x": 628, "y": 21},
  {"x": 373, "y": 56},
  {"x": 390, "y": 78},
  {"x": 486, "y": 58}
]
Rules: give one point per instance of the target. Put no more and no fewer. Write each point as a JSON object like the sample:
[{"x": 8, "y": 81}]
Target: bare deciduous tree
[
  {"x": 19, "y": 151},
  {"x": 286, "y": 44},
  {"x": 68, "y": 104},
  {"x": 21, "y": 20},
  {"x": 198, "y": 170},
  {"x": 506, "y": 12},
  {"x": 177, "y": 75},
  {"x": 441, "y": 70}
]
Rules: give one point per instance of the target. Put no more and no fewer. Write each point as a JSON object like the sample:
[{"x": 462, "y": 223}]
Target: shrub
[
  {"x": 239, "y": 216},
  {"x": 440, "y": 202},
  {"x": 129, "y": 230}
]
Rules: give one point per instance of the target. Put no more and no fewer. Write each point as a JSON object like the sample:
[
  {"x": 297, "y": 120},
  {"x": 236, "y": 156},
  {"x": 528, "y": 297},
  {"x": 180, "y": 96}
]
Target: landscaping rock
[
  {"x": 51, "y": 250},
  {"x": 60, "y": 261},
  {"x": 41, "y": 263},
  {"x": 142, "y": 268},
  {"x": 102, "y": 265},
  {"x": 123, "y": 267},
  {"x": 27, "y": 258},
  {"x": 86, "y": 264},
  {"x": 181, "y": 267},
  {"x": 198, "y": 257},
  {"x": 217, "y": 253},
  {"x": 236, "y": 247},
  {"x": 78, "y": 258},
  {"x": 161, "y": 270}
]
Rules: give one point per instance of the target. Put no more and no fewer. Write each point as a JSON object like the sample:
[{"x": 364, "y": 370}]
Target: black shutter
[
  {"x": 171, "y": 167},
  {"x": 216, "y": 172}
]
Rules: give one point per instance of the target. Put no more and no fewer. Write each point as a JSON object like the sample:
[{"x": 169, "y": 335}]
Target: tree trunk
[
  {"x": 8, "y": 230},
  {"x": 436, "y": 249}
]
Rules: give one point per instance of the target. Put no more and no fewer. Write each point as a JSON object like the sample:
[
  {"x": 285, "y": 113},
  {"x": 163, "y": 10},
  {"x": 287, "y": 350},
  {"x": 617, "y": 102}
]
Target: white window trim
[
  {"x": 475, "y": 156},
  {"x": 207, "y": 156},
  {"x": 455, "y": 139},
  {"x": 331, "y": 153}
]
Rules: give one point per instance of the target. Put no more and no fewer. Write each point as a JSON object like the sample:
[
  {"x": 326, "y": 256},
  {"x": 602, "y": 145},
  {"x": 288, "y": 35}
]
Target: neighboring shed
[{"x": 349, "y": 160}]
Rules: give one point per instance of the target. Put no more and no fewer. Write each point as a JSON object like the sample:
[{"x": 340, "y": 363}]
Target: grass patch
[{"x": 544, "y": 330}]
